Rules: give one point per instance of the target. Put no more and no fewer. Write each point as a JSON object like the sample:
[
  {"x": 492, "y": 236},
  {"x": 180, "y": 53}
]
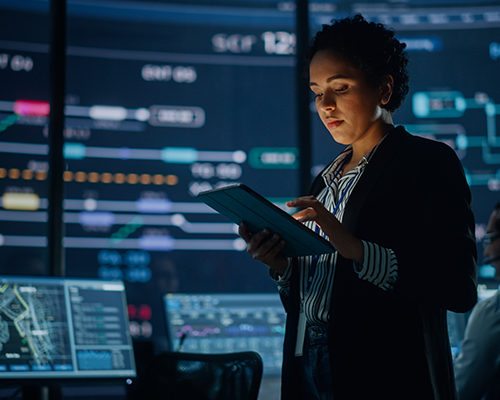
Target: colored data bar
[
  {"x": 109, "y": 219},
  {"x": 32, "y": 108},
  {"x": 169, "y": 155},
  {"x": 120, "y": 178},
  {"x": 156, "y": 244},
  {"x": 24, "y": 216},
  {"x": 107, "y": 113},
  {"x": 23, "y": 241},
  {"x": 166, "y": 243},
  {"x": 93, "y": 177},
  {"x": 156, "y": 115},
  {"x": 20, "y": 201},
  {"x": 24, "y": 148},
  {"x": 132, "y": 206}
]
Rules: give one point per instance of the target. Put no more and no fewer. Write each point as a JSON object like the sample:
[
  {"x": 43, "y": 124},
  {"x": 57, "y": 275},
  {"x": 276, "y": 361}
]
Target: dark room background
[{"x": 165, "y": 99}]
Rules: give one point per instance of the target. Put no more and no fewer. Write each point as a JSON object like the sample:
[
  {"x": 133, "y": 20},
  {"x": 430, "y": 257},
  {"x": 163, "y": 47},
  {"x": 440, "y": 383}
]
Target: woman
[{"x": 369, "y": 321}]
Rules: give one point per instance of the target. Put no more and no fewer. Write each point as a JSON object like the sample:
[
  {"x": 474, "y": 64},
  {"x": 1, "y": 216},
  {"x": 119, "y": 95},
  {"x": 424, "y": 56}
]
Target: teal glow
[
  {"x": 420, "y": 102},
  {"x": 486, "y": 271},
  {"x": 180, "y": 155},
  {"x": 74, "y": 151}
]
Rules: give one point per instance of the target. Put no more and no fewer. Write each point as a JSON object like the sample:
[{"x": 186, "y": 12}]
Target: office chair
[{"x": 188, "y": 376}]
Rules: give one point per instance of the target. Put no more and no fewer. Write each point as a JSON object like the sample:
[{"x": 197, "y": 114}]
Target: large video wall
[{"x": 165, "y": 100}]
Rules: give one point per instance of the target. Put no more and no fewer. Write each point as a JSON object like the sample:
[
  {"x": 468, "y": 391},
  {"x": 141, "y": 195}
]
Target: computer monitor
[
  {"x": 225, "y": 323},
  {"x": 62, "y": 328}
]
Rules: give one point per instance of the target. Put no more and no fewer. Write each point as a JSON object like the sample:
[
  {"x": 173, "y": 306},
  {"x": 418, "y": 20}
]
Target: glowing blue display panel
[
  {"x": 164, "y": 100},
  {"x": 55, "y": 328},
  {"x": 226, "y": 323}
]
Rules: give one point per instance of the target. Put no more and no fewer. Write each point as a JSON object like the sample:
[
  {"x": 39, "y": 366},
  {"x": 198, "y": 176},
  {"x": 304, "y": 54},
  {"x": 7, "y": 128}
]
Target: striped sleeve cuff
[
  {"x": 380, "y": 266},
  {"x": 284, "y": 280}
]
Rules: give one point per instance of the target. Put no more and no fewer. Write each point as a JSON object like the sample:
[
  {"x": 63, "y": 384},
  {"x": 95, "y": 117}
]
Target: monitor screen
[
  {"x": 226, "y": 323},
  {"x": 64, "y": 328}
]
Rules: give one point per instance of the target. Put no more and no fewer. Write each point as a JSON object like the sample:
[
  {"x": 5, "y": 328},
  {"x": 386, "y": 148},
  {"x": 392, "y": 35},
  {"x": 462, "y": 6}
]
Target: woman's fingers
[
  {"x": 258, "y": 244},
  {"x": 305, "y": 201},
  {"x": 305, "y": 215},
  {"x": 269, "y": 253},
  {"x": 265, "y": 247},
  {"x": 261, "y": 243},
  {"x": 313, "y": 210},
  {"x": 243, "y": 232}
]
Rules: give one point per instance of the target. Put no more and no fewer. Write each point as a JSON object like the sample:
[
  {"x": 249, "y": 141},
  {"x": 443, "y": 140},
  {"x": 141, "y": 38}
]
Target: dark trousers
[{"x": 316, "y": 378}]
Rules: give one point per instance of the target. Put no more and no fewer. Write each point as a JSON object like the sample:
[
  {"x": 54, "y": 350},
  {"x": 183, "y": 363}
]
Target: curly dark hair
[{"x": 370, "y": 47}]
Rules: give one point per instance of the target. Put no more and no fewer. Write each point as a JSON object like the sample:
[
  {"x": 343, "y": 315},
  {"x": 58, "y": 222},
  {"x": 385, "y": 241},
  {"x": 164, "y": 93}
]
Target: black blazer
[{"x": 413, "y": 198}]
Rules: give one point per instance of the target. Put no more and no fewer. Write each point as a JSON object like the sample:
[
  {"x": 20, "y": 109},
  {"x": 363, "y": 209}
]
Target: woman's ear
[{"x": 386, "y": 90}]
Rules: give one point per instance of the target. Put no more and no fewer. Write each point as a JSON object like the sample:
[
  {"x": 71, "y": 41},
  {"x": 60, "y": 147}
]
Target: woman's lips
[{"x": 334, "y": 124}]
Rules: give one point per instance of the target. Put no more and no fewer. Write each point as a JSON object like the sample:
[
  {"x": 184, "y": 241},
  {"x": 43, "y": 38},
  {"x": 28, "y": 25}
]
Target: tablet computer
[{"x": 240, "y": 203}]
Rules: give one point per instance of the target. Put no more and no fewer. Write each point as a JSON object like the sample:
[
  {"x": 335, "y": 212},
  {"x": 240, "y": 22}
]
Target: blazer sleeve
[{"x": 435, "y": 245}]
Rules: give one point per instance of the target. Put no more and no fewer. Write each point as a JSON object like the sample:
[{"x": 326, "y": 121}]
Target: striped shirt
[{"x": 379, "y": 267}]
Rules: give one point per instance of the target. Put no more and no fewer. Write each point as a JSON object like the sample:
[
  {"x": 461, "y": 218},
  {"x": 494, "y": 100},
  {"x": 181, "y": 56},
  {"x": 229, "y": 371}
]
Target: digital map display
[
  {"x": 34, "y": 332},
  {"x": 63, "y": 328}
]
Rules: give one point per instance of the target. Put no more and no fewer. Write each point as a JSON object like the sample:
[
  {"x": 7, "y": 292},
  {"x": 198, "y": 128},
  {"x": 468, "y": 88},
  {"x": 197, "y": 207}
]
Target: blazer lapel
[{"x": 373, "y": 172}]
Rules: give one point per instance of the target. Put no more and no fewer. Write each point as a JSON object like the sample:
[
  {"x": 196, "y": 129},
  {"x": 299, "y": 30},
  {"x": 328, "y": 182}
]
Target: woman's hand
[
  {"x": 345, "y": 243},
  {"x": 265, "y": 247}
]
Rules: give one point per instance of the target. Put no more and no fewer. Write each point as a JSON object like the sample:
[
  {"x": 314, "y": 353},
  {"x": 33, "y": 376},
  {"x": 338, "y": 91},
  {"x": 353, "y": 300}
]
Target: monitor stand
[{"x": 38, "y": 392}]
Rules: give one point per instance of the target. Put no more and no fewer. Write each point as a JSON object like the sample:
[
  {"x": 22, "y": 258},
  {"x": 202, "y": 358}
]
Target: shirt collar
[{"x": 330, "y": 172}]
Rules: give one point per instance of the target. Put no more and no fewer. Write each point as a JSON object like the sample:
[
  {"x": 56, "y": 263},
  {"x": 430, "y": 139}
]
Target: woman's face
[{"x": 347, "y": 104}]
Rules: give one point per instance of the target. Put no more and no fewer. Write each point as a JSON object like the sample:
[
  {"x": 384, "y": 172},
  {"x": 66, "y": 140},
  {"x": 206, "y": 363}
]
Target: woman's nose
[{"x": 328, "y": 102}]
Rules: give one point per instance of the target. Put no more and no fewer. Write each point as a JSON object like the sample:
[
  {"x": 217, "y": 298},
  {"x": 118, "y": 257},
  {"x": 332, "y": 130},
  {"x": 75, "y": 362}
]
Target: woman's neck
[
  {"x": 359, "y": 150},
  {"x": 362, "y": 148}
]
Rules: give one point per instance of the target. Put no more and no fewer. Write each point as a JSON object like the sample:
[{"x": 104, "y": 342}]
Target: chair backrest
[{"x": 188, "y": 376}]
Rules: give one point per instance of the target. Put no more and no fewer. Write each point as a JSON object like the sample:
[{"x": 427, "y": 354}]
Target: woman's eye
[
  {"x": 341, "y": 89},
  {"x": 318, "y": 95}
]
